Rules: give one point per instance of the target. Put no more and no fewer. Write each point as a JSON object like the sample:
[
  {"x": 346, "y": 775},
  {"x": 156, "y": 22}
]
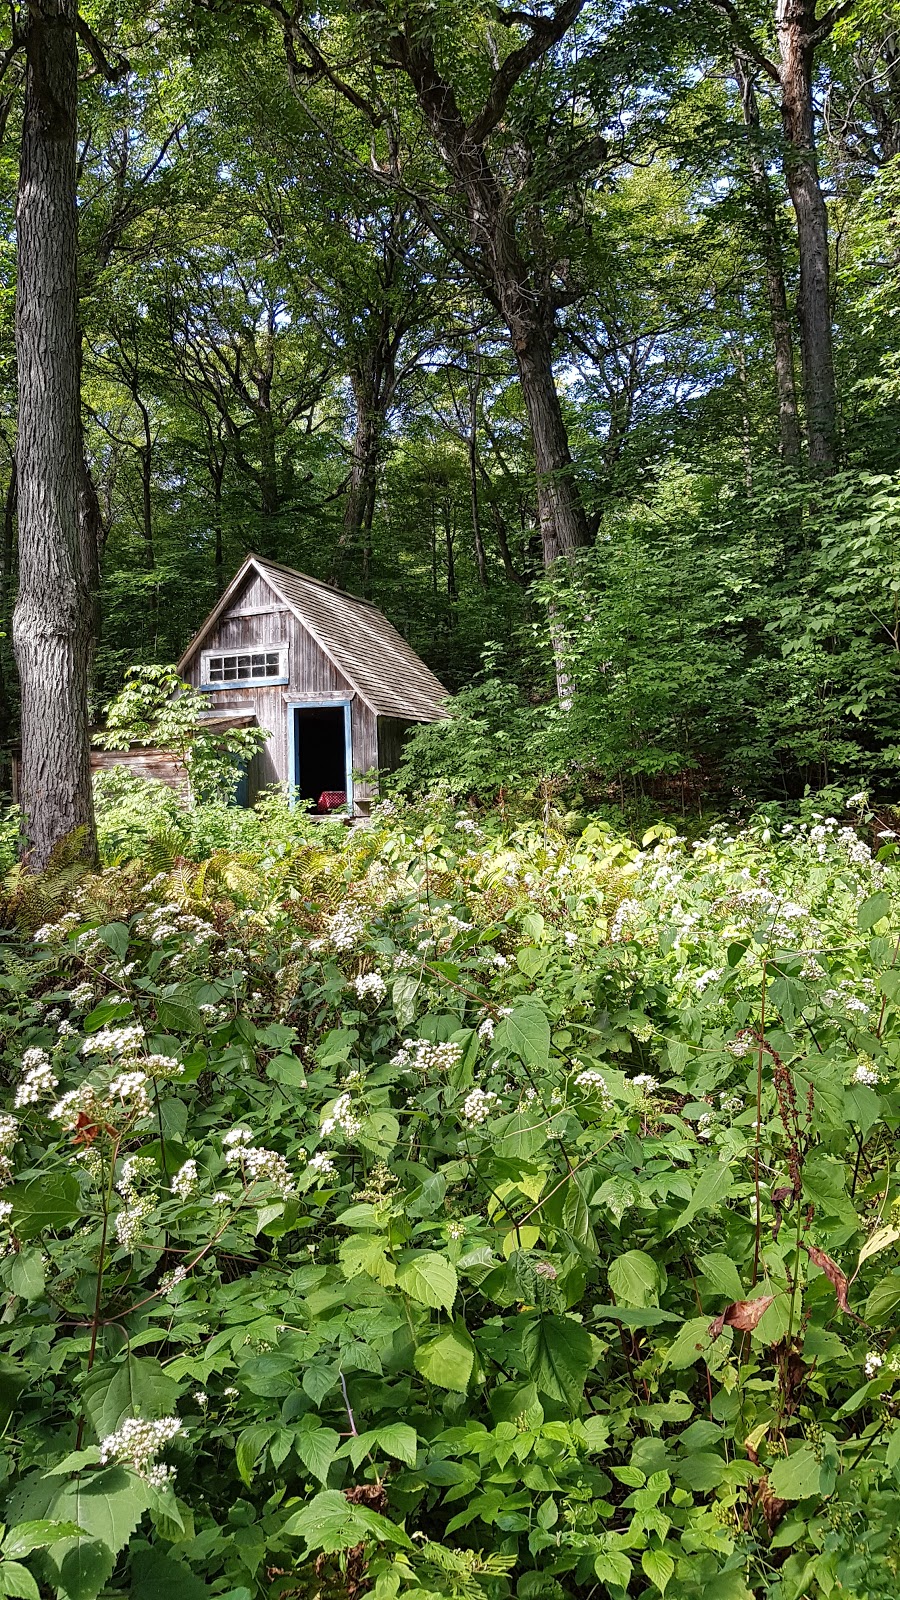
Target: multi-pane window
[{"x": 245, "y": 666}]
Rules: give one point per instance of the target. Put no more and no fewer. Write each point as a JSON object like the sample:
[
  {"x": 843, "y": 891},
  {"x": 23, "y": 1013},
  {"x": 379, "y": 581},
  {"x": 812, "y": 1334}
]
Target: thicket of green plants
[{"x": 454, "y": 1208}]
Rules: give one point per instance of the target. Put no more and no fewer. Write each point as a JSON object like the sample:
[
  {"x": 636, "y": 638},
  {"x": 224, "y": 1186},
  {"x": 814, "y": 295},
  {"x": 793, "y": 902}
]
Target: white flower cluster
[
  {"x": 644, "y": 1083},
  {"x": 370, "y": 986},
  {"x": 258, "y": 1164},
  {"x": 83, "y": 1101},
  {"x": 129, "y": 1089},
  {"x": 157, "y": 1066},
  {"x": 130, "y": 1220},
  {"x": 81, "y": 996},
  {"x": 479, "y": 1105},
  {"x": 424, "y": 1056},
  {"x": 322, "y": 1164},
  {"x": 466, "y": 825},
  {"x": 626, "y": 912},
  {"x": 342, "y": 1119},
  {"x": 56, "y": 932},
  {"x": 486, "y": 1029},
  {"x": 136, "y": 1443},
  {"x": 39, "y": 1078},
  {"x": 866, "y": 1072},
  {"x": 9, "y": 1133},
  {"x": 590, "y": 1081},
  {"x": 872, "y": 1363},
  {"x": 125, "y": 1041},
  {"x": 345, "y": 928},
  {"x": 185, "y": 1180},
  {"x": 743, "y": 1045}
]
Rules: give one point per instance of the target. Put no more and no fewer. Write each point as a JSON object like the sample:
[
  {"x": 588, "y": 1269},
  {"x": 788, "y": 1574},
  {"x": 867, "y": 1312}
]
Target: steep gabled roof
[{"x": 357, "y": 638}]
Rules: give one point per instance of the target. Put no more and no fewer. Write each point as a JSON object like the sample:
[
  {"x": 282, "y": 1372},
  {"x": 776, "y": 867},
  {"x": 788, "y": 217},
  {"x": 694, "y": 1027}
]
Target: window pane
[
  {"x": 215, "y": 669},
  {"x": 231, "y": 671}
]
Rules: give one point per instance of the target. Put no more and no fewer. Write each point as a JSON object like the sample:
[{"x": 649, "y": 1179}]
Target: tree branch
[
  {"x": 545, "y": 33},
  {"x": 745, "y": 39},
  {"x": 825, "y": 24},
  {"x": 113, "y": 72}
]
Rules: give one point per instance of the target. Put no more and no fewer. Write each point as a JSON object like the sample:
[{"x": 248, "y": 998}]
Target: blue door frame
[{"x": 294, "y": 754}]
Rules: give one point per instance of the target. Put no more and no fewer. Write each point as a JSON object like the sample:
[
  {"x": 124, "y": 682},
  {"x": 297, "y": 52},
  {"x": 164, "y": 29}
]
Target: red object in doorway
[{"x": 330, "y": 799}]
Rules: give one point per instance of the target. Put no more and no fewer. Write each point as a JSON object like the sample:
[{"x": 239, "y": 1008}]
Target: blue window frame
[{"x": 295, "y": 744}]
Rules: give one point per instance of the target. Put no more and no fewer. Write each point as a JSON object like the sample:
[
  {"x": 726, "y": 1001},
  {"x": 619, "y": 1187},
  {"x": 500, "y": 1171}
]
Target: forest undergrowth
[{"x": 455, "y": 1208}]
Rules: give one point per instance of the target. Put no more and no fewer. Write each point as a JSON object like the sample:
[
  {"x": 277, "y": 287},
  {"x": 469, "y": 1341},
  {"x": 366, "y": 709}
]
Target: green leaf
[
  {"x": 800, "y": 1475},
  {"x": 428, "y": 1278},
  {"x": 331, "y": 1523},
  {"x": 177, "y": 1012},
  {"x": 714, "y": 1183},
  {"x": 28, "y": 1536},
  {"x": 115, "y": 936},
  {"x": 16, "y": 1580},
  {"x": 82, "y": 1569},
  {"x": 448, "y": 1360},
  {"x": 137, "y": 1387},
  {"x": 658, "y": 1567},
  {"x": 557, "y": 1352},
  {"x": 251, "y": 1447},
  {"x": 613, "y": 1567},
  {"x": 50, "y": 1201},
  {"x": 722, "y": 1273},
  {"x": 880, "y": 1240},
  {"x": 691, "y": 1343},
  {"x": 872, "y": 910},
  {"x": 155, "y": 1575},
  {"x": 526, "y": 1032},
  {"x": 634, "y": 1279},
  {"x": 25, "y": 1274},
  {"x": 884, "y": 1300},
  {"x": 399, "y": 1440},
  {"x": 317, "y": 1448}
]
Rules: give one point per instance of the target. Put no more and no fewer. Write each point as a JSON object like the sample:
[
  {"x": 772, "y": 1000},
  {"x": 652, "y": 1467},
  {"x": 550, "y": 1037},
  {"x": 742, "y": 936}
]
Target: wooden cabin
[{"x": 325, "y": 673}]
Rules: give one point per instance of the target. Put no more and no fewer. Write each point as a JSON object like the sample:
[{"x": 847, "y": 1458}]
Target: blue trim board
[{"x": 319, "y": 705}]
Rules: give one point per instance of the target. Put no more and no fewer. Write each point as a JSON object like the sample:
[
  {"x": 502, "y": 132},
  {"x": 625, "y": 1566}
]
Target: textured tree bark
[
  {"x": 795, "y": 22},
  {"x": 53, "y": 619},
  {"x": 359, "y": 510},
  {"x": 779, "y": 315}
]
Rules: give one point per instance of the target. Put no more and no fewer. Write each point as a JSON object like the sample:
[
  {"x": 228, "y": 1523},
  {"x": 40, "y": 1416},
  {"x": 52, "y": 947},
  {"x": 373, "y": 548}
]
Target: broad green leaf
[
  {"x": 658, "y": 1567},
  {"x": 722, "y": 1273},
  {"x": 178, "y": 1013},
  {"x": 156, "y": 1575},
  {"x": 331, "y": 1523},
  {"x": 613, "y": 1566},
  {"x": 884, "y": 1300},
  {"x": 634, "y": 1279},
  {"x": 28, "y": 1536},
  {"x": 800, "y": 1475},
  {"x": 872, "y": 910},
  {"x": 115, "y": 936},
  {"x": 17, "y": 1581},
  {"x": 691, "y": 1343},
  {"x": 398, "y": 1439},
  {"x": 428, "y": 1278},
  {"x": 136, "y": 1387},
  {"x": 713, "y": 1185},
  {"x": 25, "y": 1274},
  {"x": 526, "y": 1031},
  {"x": 50, "y": 1201},
  {"x": 251, "y": 1447},
  {"x": 448, "y": 1360},
  {"x": 317, "y": 1448},
  {"x": 557, "y": 1352}
]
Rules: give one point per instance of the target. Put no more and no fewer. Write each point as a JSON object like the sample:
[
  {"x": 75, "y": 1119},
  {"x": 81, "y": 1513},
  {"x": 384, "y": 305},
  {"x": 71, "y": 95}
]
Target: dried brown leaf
[
  {"x": 835, "y": 1276},
  {"x": 741, "y": 1314}
]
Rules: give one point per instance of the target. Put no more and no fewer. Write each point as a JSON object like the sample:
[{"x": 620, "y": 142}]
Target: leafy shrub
[{"x": 454, "y": 1211}]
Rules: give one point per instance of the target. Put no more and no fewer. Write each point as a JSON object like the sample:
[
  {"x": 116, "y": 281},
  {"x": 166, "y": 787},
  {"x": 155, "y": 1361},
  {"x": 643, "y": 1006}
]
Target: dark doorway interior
[{"x": 320, "y": 755}]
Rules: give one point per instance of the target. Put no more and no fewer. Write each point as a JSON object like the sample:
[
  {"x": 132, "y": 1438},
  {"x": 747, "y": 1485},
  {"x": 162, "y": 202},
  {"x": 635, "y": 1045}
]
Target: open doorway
[{"x": 322, "y": 756}]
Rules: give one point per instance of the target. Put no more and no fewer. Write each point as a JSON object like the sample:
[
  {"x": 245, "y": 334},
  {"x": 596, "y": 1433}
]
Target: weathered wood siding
[{"x": 257, "y": 620}]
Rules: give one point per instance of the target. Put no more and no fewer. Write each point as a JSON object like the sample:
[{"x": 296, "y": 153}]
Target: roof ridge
[{"x": 320, "y": 583}]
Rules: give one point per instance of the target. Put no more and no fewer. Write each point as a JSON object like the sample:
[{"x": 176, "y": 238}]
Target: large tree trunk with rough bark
[
  {"x": 53, "y": 619},
  {"x": 359, "y": 508},
  {"x": 796, "y": 26},
  {"x": 779, "y": 316}
]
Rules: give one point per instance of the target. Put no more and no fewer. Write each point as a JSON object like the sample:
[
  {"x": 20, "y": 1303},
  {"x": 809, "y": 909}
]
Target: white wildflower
[
  {"x": 322, "y": 1164},
  {"x": 345, "y": 928},
  {"x": 130, "y": 1089},
  {"x": 172, "y": 1280},
  {"x": 9, "y": 1133},
  {"x": 342, "y": 1119},
  {"x": 486, "y": 1029},
  {"x": 872, "y": 1363},
  {"x": 39, "y": 1079},
  {"x": 479, "y": 1105},
  {"x": 125, "y": 1041},
  {"x": 422, "y": 1055},
  {"x": 137, "y": 1442},
  {"x": 644, "y": 1083},
  {"x": 867, "y": 1074},
  {"x": 370, "y": 986},
  {"x": 185, "y": 1180}
]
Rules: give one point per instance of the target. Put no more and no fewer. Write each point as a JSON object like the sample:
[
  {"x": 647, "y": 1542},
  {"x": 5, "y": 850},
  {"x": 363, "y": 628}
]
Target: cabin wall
[{"x": 258, "y": 619}]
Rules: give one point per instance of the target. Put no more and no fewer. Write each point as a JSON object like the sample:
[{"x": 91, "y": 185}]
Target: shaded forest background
[{"x": 290, "y": 345}]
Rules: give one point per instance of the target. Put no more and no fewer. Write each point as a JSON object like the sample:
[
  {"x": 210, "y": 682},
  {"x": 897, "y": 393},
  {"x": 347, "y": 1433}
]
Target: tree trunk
[
  {"x": 796, "y": 23},
  {"x": 53, "y": 621},
  {"x": 779, "y": 316},
  {"x": 359, "y": 510}
]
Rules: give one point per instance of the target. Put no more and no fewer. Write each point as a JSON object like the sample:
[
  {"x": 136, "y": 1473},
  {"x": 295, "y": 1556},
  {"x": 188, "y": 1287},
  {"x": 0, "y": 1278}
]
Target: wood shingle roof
[{"x": 367, "y": 650}]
